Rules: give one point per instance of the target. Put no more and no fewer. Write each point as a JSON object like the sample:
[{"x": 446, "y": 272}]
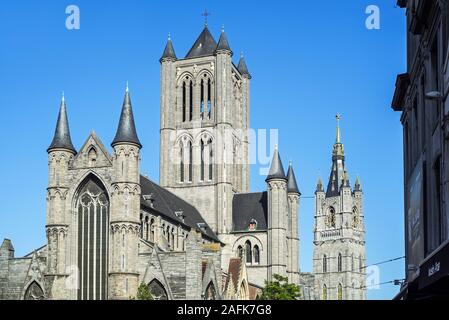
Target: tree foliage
[
  {"x": 143, "y": 293},
  {"x": 280, "y": 289}
]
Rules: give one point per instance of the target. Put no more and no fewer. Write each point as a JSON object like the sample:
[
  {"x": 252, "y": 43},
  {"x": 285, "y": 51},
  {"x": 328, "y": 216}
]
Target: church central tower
[{"x": 204, "y": 122}]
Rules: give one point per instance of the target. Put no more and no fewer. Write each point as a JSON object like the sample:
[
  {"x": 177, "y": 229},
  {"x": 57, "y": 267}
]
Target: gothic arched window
[
  {"x": 240, "y": 252},
  {"x": 324, "y": 297},
  {"x": 340, "y": 262},
  {"x": 184, "y": 101},
  {"x": 34, "y": 292},
  {"x": 147, "y": 227},
  {"x": 93, "y": 220},
  {"x": 211, "y": 159},
  {"x": 209, "y": 95},
  {"x": 256, "y": 254},
  {"x": 324, "y": 264},
  {"x": 202, "y": 160},
  {"x": 340, "y": 292},
  {"x": 190, "y": 150},
  {"x": 210, "y": 293},
  {"x": 248, "y": 252},
  {"x": 157, "y": 290},
  {"x": 152, "y": 230},
  {"x": 181, "y": 162}
]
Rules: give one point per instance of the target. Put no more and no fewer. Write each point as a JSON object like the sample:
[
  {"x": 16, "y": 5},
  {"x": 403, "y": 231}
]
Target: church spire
[
  {"x": 205, "y": 45},
  {"x": 276, "y": 169},
  {"x": 337, "y": 176},
  {"x": 169, "y": 51},
  {"x": 62, "y": 139},
  {"x": 292, "y": 186},
  {"x": 223, "y": 44},
  {"x": 358, "y": 185},
  {"x": 126, "y": 131},
  {"x": 243, "y": 69}
]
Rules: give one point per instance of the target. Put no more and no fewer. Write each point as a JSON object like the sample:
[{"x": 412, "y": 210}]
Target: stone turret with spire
[
  {"x": 62, "y": 139},
  {"x": 277, "y": 217},
  {"x": 293, "y": 197},
  {"x": 125, "y": 200}
]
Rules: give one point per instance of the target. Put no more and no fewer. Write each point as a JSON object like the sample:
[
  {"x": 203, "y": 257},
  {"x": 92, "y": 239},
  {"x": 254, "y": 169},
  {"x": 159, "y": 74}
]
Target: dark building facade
[{"x": 421, "y": 96}]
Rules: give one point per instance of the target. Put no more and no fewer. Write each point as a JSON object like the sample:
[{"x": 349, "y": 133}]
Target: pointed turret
[
  {"x": 319, "y": 185},
  {"x": 292, "y": 186},
  {"x": 242, "y": 67},
  {"x": 358, "y": 185},
  {"x": 205, "y": 45},
  {"x": 169, "y": 52},
  {"x": 276, "y": 169},
  {"x": 61, "y": 139},
  {"x": 126, "y": 131},
  {"x": 223, "y": 44}
]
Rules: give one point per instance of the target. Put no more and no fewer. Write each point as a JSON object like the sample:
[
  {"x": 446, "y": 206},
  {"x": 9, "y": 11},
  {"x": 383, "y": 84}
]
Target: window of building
[
  {"x": 340, "y": 292},
  {"x": 340, "y": 262},
  {"x": 324, "y": 292},
  {"x": 324, "y": 264},
  {"x": 181, "y": 163},
  {"x": 202, "y": 161},
  {"x": 248, "y": 252},
  {"x": 256, "y": 254},
  {"x": 240, "y": 252}
]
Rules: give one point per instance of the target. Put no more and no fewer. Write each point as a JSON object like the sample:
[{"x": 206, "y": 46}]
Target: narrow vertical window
[
  {"x": 202, "y": 100},
  {"x": 184, "y": 101},
  {"x": 249, "y": 253},
  {"x": 340, "y": 292},
  {"x": 324, "y": 292},
  {"x": 256, "y": 254},
  {"x": 191, "y": 101},
  {"x": 324, "y": 264},
  {"x": 181, "y": 163},
  {"x": 209, "y": 102},
  {"x": 240, "y": 252},
  {"x": 190, "y": 162},
  {"x": 340, "y": 262},
  {"x": 211, "y": 155},
  {"x": 202, "y": 160}
]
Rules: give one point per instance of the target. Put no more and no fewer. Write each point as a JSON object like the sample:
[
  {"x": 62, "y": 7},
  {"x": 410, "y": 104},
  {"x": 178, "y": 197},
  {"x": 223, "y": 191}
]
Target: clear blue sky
[{"x": 309, "y": 60}]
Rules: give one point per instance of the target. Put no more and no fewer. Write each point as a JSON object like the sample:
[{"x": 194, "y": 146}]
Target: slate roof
[
  {"x": 276, "y": 169},
  {"x": 205, "y": 45},
  {"x": 61, "y": 139},
  {"x": 223, "y": 43},
  {"x": 169, "y": 51},
  {"x": 126, "y": 131},
  {"x": 243, "y": 68},
  {"x": 248, "y": 206},
  {"x": 166, "y": 204},
  {"x": 292, "y": 185}
]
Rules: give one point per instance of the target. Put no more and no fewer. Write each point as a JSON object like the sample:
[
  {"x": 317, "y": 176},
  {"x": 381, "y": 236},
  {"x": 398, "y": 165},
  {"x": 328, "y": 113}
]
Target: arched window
[
  {"x": 256, "y": 254},
  {"x": 172, "y": 241},
  {"x": 340, "y": 292},
  {"x": 324, "y": 264},
  {"x": 210, "y": 293},
  {"x": 211, "y": 159},
  {"x": 190, "y": 148},
  {"x": 240, "y": 252},
  {"x": 248, "y": 252},
  {"x": 181, "y": 162},
  {"x": 202, "y": 160},
  {"x": 360, "y": 264},
  {"x": 324, "y": 297},
  {"x": 167, "y": 235},
  {"x": 93, "y": 242},
  {"x": 147, "y": 227},
  {"x": 340, "y": 262},
  {"x": 157, "y": 290},
  {"x": 92, "y": 156},
  {"x": 202, "y": 100},
  {"x": 209, "y": 102},
  {"x": 34, "y": 292},
  {"x": 152, "y": 230},
  {"x": 184, "y": 101},
  {"x": 191, "y": 101},
  {"x": 352, "y": 262}
]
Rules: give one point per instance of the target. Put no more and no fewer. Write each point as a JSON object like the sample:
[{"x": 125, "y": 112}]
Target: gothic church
[{"x": 200, "y": 233}]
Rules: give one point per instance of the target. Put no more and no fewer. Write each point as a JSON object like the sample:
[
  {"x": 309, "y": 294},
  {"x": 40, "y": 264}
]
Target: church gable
[{"x": 92, "y": 154}]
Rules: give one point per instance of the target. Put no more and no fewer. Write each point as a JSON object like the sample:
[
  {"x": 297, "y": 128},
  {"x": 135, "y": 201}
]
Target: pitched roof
[
  {"x": 223, "y": 43},
  {"x": 242, "y": 67},
  {"x": 169, "y": 51},
  {"x": 249, "y": 206},
  {"x": 276, "y": 169},
  {"x": 126, "y": 131},
  {"x": 292, "y": 186},
  {"x": 61, "y": 139},
  {"x": 166, "y": 203},
  {"x": 205, "y": 45},
  {"x": 235, "y": 265}
]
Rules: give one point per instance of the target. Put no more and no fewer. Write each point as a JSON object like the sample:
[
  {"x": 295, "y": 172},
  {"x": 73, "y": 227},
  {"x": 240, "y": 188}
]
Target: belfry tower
[
  {"x": 339, "y": 234},
  {"x": 204, "y": 122}
]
